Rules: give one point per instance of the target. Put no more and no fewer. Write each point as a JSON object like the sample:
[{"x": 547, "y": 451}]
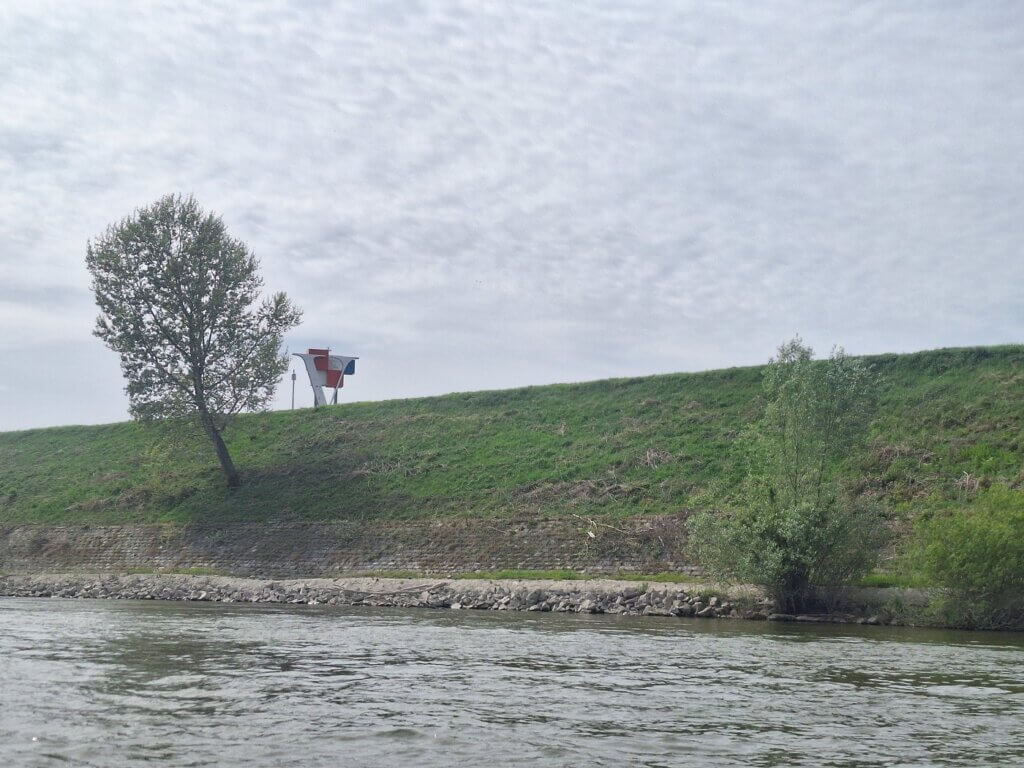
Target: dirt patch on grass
[
  {"x": 545, "y": 493},
  {"x": 886, "y": 453},
  {"x": 652, "y": 458},
  {"x": 135, "y": 499}
]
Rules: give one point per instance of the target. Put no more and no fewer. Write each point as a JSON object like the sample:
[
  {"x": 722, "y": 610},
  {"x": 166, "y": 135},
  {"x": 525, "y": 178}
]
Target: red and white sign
[{"x": 326, "y": 370}]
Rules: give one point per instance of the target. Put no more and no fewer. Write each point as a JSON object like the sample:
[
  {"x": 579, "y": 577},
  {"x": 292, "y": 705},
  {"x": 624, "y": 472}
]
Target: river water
[{"x": 108, "y": 683}]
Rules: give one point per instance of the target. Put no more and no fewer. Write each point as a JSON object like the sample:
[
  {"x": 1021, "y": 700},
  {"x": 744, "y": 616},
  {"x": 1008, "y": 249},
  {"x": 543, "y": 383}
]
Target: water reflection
[{"x": 117, "y": 683}]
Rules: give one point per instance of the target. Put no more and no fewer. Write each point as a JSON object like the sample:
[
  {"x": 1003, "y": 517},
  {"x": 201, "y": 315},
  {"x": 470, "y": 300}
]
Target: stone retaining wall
[{"x": 642, "y": 544}]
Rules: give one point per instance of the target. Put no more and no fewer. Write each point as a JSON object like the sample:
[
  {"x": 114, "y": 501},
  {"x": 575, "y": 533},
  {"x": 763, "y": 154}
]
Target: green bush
[
  {"x": 790, "y": 550},
  {"x": 975, "y": 555}
]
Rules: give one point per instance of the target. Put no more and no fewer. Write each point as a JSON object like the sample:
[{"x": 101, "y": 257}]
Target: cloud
[{"x": 471, "y": 196}]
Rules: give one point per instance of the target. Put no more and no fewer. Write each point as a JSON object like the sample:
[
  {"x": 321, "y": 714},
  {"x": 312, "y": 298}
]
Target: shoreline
[{"x": 595, "y": 596}]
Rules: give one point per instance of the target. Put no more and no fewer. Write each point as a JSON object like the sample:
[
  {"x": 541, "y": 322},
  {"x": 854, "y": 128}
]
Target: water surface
[{"x": 108, "y": 683}]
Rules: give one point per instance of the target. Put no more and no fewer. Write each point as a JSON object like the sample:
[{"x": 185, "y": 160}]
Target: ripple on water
[{"x": 124, "y": 684}]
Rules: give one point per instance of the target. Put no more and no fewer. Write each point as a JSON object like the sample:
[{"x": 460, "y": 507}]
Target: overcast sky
[{"x": 479, "y": 194}]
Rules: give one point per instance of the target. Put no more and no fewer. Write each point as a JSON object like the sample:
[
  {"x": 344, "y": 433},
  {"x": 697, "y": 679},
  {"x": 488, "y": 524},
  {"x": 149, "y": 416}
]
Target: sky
[{"x": 478, "y": 195}]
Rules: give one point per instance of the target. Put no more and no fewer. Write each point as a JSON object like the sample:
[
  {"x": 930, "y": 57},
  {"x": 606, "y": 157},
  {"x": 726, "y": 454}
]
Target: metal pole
[{"x": 293, "y": 390}]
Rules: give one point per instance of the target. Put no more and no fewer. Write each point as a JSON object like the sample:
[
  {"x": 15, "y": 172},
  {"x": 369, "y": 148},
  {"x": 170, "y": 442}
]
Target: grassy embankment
[{"x": 949, "y": 421}]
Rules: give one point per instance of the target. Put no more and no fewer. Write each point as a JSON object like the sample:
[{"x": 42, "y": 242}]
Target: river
[{"x": 123, "y": 683}]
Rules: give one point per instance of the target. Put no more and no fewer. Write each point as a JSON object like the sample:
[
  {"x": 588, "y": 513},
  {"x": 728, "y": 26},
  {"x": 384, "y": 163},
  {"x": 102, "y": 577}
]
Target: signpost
[{"x": 326, "y": 370}]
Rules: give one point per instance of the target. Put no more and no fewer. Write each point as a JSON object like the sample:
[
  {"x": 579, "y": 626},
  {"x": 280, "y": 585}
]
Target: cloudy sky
[{"x": 480, "y": 194}]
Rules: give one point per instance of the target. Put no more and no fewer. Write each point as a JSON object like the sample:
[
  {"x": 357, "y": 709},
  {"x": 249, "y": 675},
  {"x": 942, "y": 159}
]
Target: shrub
[
  {"x": 975, "y": 555},
  {"x": 794, "y": 528}
]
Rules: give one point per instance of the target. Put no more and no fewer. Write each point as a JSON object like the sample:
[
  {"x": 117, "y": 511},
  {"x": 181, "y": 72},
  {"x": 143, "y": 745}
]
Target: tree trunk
[
  {"x": 222, "y": 450},
  {"x": 795, "y": 592}
]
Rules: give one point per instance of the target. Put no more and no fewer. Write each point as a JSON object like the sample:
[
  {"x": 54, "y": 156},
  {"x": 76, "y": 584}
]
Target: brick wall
[{"x": 645, "y": 544}]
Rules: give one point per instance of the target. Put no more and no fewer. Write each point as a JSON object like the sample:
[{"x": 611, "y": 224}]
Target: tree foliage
[
  {"x": 794, "y": 527},
  {"x": 179, "y": 301},
  {"x": 975, "y": 556}
]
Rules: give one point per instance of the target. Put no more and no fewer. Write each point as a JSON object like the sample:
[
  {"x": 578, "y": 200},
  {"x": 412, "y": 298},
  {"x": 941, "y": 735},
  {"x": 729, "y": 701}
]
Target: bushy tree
[
  {"x": 975, "y": 556},
  {"x": 179, "y": 301},
  {"x": 794, "y": 527}
]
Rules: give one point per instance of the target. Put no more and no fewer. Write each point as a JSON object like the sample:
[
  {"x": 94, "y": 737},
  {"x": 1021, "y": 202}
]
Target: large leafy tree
[
  {"x": 793, "y": 526},
  {"x": 180, "y": 302}
]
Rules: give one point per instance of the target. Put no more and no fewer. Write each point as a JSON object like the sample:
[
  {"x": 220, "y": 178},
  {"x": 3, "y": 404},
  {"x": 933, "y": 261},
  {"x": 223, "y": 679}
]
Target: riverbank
[{"x": 610, "y": 596}]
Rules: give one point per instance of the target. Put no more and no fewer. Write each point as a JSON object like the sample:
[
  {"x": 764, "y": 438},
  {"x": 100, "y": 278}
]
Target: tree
[
  {"x": 179, "y": 301},
  {"x": 795, "y": 527}
]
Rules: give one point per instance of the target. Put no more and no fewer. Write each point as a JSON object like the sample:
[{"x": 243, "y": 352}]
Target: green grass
[
  {"x": 521, "y": 575},
  {"x": 672, "y": 577},
  {"x": 516, "y": 574},
  {"x": 508, "y": 574},
  {"x": 948, "y": 419}
]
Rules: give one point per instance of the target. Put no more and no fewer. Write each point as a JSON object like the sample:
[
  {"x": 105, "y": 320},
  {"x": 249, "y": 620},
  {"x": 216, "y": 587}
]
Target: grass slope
[{"x": 948, "y": 419}]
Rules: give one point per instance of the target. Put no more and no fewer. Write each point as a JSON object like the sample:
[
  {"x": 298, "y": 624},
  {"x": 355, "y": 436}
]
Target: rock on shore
[
  {"x": 624, "y": 598},
  {"x": 594, "y": 596}
]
